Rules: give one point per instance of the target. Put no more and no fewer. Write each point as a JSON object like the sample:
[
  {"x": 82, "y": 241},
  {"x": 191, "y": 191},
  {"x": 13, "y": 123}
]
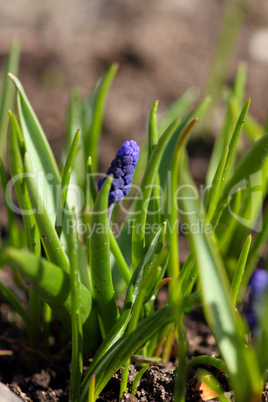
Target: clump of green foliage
[{"x": 66, "y": 251}]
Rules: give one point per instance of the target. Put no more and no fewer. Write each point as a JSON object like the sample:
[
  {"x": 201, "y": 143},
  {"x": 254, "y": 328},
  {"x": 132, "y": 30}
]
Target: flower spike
[{"x": 122, "y": 168}]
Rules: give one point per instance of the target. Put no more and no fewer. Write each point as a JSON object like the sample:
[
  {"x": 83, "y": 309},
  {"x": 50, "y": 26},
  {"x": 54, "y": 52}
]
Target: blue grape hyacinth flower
[
  {"x": 122, "y": 168},
  {"x": 258, "y": 287}
]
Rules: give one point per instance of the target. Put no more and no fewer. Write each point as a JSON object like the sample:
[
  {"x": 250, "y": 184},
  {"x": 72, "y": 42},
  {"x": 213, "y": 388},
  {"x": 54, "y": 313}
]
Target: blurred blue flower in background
[{"x": 258, "y": 287}]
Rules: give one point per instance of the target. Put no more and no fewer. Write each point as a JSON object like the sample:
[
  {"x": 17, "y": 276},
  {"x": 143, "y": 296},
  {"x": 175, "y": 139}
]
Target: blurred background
[{"x": 163, "y": 47}]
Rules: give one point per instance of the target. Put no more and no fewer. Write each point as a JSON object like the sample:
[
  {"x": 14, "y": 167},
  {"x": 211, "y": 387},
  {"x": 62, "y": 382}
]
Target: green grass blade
[
  {"x": 234, "y": 140},
  {"x": 205, "y": 377},
  {"x": 178, "y": 108},
  {"x": 13, "y": 230},
  {"x": 66, "y": 176},
  {"x": 259, "y": 244},
  {"x": 98, "y": 103},
  {"x": 7, "y": 94},
  {"x": 227, "y": 225},
  {"x": 187, "y": 276},
  {"x": 115, "y": 249},
  {"x": 240, "y": 269},
  {"x": 16, "y": 146},
  {"x": 99, "y": 251},
  {"x": 154, "y": 207},
  {"x": 91, "y": 389},
  {"x": 50, "y": 240},
  {"x": 253, "y": 129},
  {"x": 180, "y": 390},
  {"x": 209, "y": 360},
  {"x": 166, "y": 159},
  {"x": 119, "y": 259},
  {"x": 213, "y": 195},
  {"x": 240, "y": 83},
  {"x": 77, "y": 332},
  {"x": 17, "y": 174},
  {"x": 42, "y": 158},
  {"x": 153, "y": 130},
  {"x": 251, "y": 163},
  {"x": 15, "y": 303},
  {"x": 152, "y": 251},
  {"x": 138, "y": 377},
  {"x": 125, "y": 347},
  {"x": 74, "y": 123},
  {"x": 218, "y": 306},
  {"x": 141, "y": 204},
  {"x": 54, "y": 286},
  {"x": 173, "y": 267},
  {"x": 262, "y": 338},
  {"x": 222, "y": 141}
]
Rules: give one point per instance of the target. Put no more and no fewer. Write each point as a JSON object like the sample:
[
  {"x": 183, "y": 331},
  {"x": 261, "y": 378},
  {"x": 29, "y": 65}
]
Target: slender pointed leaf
[
  {"x": 172, "y": 212},
  {"x": 240, "y": 269},
  {"x": 66, "y": 176},
  {"x": 50, "y": 240},
  {"x": 141, "y": 204},
  {"x": 17, "y": 173},
  {"x": 77, "y": 332},
  {"x": 99, "y": 251},
  {"x": 54, "y": 286},
  {"x": 218, "y": 307},
  {"x": 7, "y": 94},
  {"x": 97, "y": 110},
  {"x": 42, "y": 158},
  {"x": 15, "y": 303}
]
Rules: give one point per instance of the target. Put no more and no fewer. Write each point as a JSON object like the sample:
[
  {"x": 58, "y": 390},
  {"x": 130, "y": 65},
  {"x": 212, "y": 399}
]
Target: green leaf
[
  {"x": 218, "y": 307},
  {"x": 252, "y": 162},
  {"x": 209, "y": 360},
  {"x": 259, "y": 243},
  {"x": 16, "y": 147},
  {"x": 234, "y": 141},
  {"x": 17, "y": 173},
  {"x": 13, "y": 230},
  {"x": 50, "y": 240},
  {"x": 154, "y": 207},
  {"x": 240, "y": 269},
  {"x": 152, "y": 252},
  {"x": 213, "y": 195},
  {"x": 66, "y": 176},
  {"x": 15, "y": 303},
  {"x": 54, "y": 286},
  {"x": 99, "y": 251},
  {"x": 125, "y": 347},
  {"x": 153, "y": 131},
  {"x": 74, "y": 123},
  {"x": 7, "y": 94},
  {"x": 178, "y": 108},
  {"x": 240, "y": 83},
  {"x": 43, "y": 161},
  {"x": 97, "y": 104},
  {"x": 77, "y": 332},
  {"x": 172, "y": 209},
  {"x": 227, "y": 225},
  {"x": 141, "y": 204},
  {"x": 166, "y": 159},
  {"x": 222, "y": 141},
  {"x": 137, "y": 378}
]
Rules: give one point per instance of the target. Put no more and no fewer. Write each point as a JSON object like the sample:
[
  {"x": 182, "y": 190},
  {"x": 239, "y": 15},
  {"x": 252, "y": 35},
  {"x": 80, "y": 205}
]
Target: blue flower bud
[{"x": 122, "y": 168}]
